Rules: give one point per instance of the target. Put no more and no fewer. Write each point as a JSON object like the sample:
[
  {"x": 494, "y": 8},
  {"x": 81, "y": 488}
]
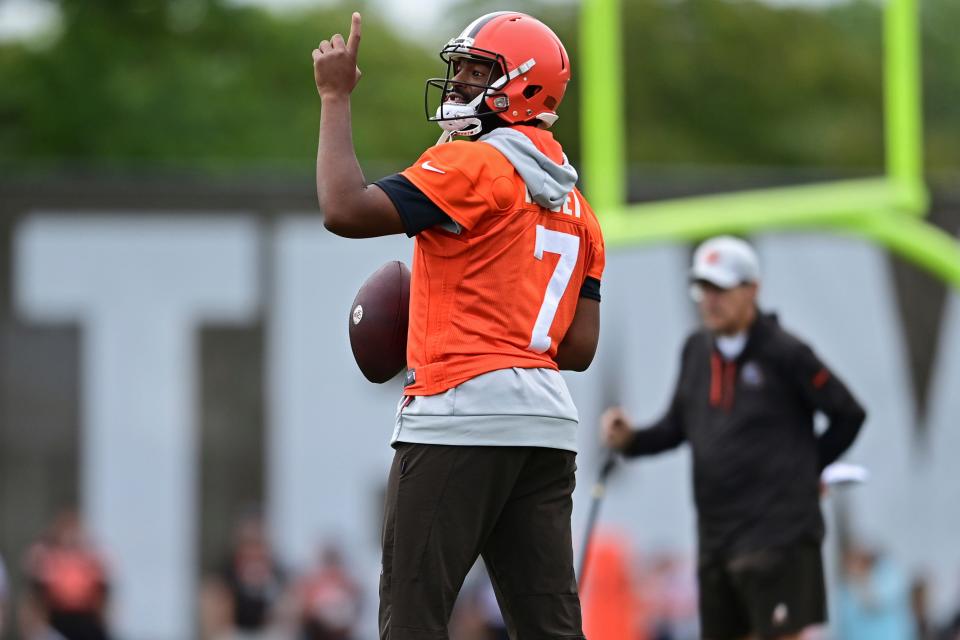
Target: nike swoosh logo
[{"x": 429, "y": 167}]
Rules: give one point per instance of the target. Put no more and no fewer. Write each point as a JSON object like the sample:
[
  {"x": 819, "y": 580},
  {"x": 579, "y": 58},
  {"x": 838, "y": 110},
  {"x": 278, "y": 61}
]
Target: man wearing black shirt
[{"x": 745, "y": 401}]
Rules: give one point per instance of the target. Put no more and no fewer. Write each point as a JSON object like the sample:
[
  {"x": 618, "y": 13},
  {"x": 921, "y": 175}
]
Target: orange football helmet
[{"x": 533, "y": 65}]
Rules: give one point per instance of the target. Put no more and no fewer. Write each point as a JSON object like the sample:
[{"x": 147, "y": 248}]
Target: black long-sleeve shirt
[{"x": 750, "y": 424}]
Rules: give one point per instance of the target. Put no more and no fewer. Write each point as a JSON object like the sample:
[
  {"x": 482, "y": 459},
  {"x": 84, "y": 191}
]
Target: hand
[
  {"x": 615, "y": 429},
  {"x": 335, "y": 67}
]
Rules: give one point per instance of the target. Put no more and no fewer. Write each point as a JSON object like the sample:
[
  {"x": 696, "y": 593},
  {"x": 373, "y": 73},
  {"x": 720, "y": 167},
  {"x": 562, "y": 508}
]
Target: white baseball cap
[{"x": 726, "y": 262}]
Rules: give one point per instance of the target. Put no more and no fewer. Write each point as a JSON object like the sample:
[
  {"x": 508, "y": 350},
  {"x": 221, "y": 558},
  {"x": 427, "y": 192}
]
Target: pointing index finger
[{"x": 353, "y": 41}]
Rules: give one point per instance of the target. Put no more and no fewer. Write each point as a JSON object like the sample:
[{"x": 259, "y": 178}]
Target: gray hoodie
[{"x": 549, "y": 183}]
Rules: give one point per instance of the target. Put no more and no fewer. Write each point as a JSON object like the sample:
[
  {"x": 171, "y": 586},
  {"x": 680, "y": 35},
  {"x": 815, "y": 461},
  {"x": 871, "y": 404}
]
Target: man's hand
[
  {"x": 335, "y": 67},
  {"x": 615, "y": 430}
]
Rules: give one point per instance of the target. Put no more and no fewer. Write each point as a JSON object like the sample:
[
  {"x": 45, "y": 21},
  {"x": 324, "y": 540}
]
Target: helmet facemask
[{"x": 465, "y": 118}]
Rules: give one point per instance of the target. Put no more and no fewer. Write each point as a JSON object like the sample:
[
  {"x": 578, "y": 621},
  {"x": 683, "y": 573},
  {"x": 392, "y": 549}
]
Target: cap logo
[
  {"x": 712, "y": 258},
  {"x": 780, "y": 614},
  {"x": 752, "y": 376}
]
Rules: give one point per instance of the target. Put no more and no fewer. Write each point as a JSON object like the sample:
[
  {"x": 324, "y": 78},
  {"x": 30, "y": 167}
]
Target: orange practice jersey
[{"x": 503, "y": 292}]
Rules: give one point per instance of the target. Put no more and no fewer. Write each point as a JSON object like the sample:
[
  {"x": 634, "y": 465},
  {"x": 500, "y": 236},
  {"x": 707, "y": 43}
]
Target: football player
[{"x": 505, "y": 292}]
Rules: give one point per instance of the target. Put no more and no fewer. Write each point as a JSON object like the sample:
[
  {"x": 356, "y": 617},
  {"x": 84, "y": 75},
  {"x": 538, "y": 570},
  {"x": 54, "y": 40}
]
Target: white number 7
[{"x": 567, "y": 246}]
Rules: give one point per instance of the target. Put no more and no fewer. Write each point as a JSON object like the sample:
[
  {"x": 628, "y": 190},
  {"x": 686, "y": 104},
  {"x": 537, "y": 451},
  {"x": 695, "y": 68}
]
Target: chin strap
[{"x": 444, "y": 138}]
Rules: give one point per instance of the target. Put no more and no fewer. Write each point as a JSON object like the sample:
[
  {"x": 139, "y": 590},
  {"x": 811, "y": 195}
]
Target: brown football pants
[{"x": 447, "y": 505}]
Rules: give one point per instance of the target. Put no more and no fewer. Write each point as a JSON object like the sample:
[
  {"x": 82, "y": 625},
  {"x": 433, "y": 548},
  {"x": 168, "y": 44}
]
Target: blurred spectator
[
  {"x": 491, "y": 624},
  {"x": 477, "y": 615},
  {"x": 609, "y": 595},
  {"x": 873, "y": 602},
  {"x": 492, "y": 619},
  {"x": 243, "y": 600},
  {"x": 69, "y": 585},
  {"x": 671, "y": 590},
  {"x": 329, "y": 599}
]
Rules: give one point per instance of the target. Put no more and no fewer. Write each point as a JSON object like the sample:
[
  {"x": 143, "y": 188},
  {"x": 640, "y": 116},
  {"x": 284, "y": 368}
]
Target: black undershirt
[{"x": 417, "y": 211}]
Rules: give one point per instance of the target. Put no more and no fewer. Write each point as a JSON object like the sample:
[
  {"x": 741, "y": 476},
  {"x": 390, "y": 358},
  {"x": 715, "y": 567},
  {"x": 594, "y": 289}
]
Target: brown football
[{"x": 378, "y": 322}]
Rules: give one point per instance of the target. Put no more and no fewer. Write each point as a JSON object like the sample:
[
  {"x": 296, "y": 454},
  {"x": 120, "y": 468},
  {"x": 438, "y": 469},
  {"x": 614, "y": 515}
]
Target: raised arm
[{"x": 350, "y": 207}]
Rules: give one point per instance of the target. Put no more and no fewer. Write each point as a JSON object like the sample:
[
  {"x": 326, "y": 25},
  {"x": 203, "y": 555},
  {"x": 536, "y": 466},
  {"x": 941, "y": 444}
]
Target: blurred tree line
[{"x": 211, "y": 87}]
